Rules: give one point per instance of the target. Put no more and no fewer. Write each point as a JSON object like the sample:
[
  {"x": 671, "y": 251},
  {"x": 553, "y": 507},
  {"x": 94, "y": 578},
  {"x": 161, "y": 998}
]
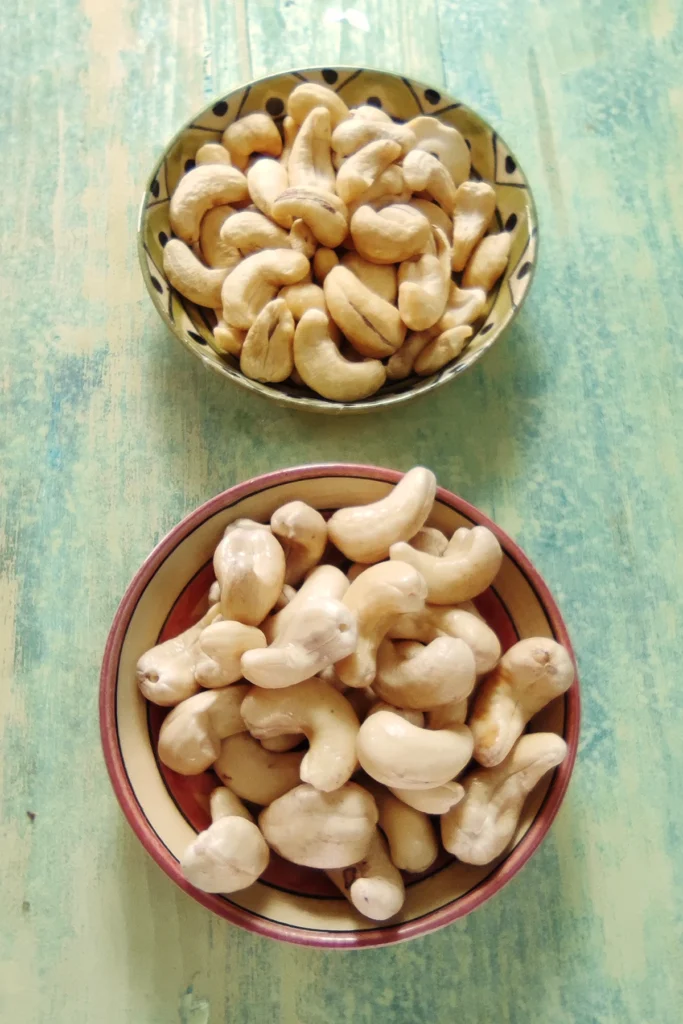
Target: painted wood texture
[{"x": 569, "y": 434}]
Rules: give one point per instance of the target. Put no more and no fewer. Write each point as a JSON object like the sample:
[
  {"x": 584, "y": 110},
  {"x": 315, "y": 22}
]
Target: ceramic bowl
[
  {"x": 169, "y": 593},
  {"x": 403, "y": 99}
]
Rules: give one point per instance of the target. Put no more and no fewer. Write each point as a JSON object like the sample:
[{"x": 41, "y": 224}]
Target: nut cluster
[
  {"x": 348, "y": 251},
  {"x": 357, "y": 712}
]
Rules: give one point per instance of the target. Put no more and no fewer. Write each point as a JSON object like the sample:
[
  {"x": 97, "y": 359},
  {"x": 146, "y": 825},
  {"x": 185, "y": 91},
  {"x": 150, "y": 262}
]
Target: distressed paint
[{"x": 569, "y": 434}]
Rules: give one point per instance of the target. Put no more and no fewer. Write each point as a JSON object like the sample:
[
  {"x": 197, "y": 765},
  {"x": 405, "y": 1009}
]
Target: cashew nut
[
  {"x": 302, "y": 239},
  {"x": 445, "y": 143},
  {"x": 464, "y": 306},
  {"x": 487, "y": 262},
  {"x": 423, "y": 285},
  {"x": 166, "y": 673},
  {"x": 256, "y": 774},
  {"x": 430, "y": 540},
  {"x": 368, "y": 112},
  {"x": 438, "y": 800},
  {"x": 364, "y": 533},
  {"x": 228, "y": 339},
  {"x": 475, "y": 204},
  {"x": 325, "y": 581},
  {"x": 437, "y": 217},
  {"x": 255, "y": 282},
  {"x": 310, "y": 162},
  {"x": 219, "y": 652},
  {"x": 437, "y": 353},
  {"x": 198, "y": 191},
  {"x": 401, "y": 363},
  {"x": 387, "y": 187},
  {"x": 370, "y": 324},
  {"x": 215, "y": 251},
  {"x": 267, "y": 179},
  {"x": 190, "y": 736},
  {"x": 302, "y": 532},
  {"x": 377, "y": 596},
  {"x": 305, "y": 97},
  {"x": 323, "y": 212},
  {"x": 412, "y": 842},
  {"x": 325, "y": 370},
  {"x": 355, "y": 133},
  {"x": 250, "y": 569},
  {"x": 404, "y": 756},
  {"x": 255, "y": 133},
  {"x": 528, "y": 676},
  {"x": 379, "y": 278},
  {"x": 321, "y": 830},
  {"x": 453, "y": 713},
  {"x": 373, "y": 886},
  {"x": 467, "y": 567},
  {"x": 424, "y": 172},
  {"x": 231, "y": 854},
  {"x": 323, "y": 262},
  {"x": 196, "y": 282},
  {"x": 289, "y": 129},
  {"x": 304, "y": 296},
  {"x": 478, "y": 829},
  {"x": 464, "y": 623},
  {"x": 390, "y": 235},
  {"x": 322, "y": 714},
  {"x": 413, "y": 676},
  {"x": 212, "y": 153},
  {"x": 357, "y": 174},
  {"x": 267, "y": 352},
  {"x": 249, "y": 230}
]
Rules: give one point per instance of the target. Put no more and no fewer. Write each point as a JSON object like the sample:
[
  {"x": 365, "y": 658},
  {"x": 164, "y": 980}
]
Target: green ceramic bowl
[{"x": 403, "y": 99}]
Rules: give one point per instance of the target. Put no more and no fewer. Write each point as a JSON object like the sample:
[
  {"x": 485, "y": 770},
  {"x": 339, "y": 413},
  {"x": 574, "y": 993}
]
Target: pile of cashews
[
  {"x": 348, "y": 251},
  {"x": 411, "y": 717}
]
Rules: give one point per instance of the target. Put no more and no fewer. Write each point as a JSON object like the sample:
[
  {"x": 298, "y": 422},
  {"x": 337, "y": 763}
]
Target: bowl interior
[
  {"x": 166, "y": 810},
  {"x": 403, "y": 99}
]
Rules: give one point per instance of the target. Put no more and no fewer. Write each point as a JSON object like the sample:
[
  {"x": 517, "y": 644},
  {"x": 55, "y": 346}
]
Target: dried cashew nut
[
  {"x": 364, "y": 533},
  {"x": 441, "y": 350},
  {"x": 475, "y": 204},
  {"x": 528, "y": 676},
  {"x": 229, "y": 855},
  {"x": 219, "y": 652},
  {"x": 403, "y": 756},
  {"x": 438, "y": 800},
  {"x": 325, "y": 370},
  {"x": 424, "y": 172},
  {"x": 360, "y": 171},
  {"x": 190, "y": 736},
  {"x": 387, "y": 187},
  {"x": 267, "y": 352},
  {"x": 445, "y": 143},
  {"x": 412, "y": 841},
  {"x": 325, "y": 581},
  {"x": 479, "y": 827},
  {"x": 325, "y": 718},
  {"x": 390, "y": 235},
  {"x": 410, "y": 675},
  {"x": 165, "y": 673},
  {"x": 310, "y": 163},
  {"x": 302, "y": 297},
  {"x": 355, "y": 133},
  {"x": 464, "y": 623},
  {"x": 256, "y": 774},
  {"x": 401, "y": 363},
  {"x": 255, "y": 282},
  {"x": 267, "y": 179},
  {"x": 379, "y": 278},
  {"x": 437, "y": 217},
  {"x": 302, "y": 238},
  {"x": 368, "y": 112},
  {"x": 372, "y": 325},
  {"x": 250, "y": 230},
  {"x": 228, "y": 339},
  {"x": 198, "y": 191},
  {"x": 289, "y": 131},
  {"x": 323, "y": 212},
  {"x": 250, "y": 569},
  {"x": 467, "y": 567},
  {"x": 255, "y": 133},
  {"x": 212, "y": 153},
  {"x": 423, "y": 286},
  {"x": 302, "y": 532},
  {"x": 464, "y": 306},
  {"x": 323, "y": 262},
  {"x": 305, "y": 97},
  {"x": 214, "y": 250},
  {"x": 374, "y": 885},
  {"x": 192, "y": 279},
  {"x": 487, "y": 262}
]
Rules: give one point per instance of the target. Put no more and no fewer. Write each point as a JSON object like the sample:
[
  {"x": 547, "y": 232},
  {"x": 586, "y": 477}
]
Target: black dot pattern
[
  {"x": 157, "y": 285},
  {"x": 220, "y": 109},
  {"x": 189, "y": 164},
  {"x": 486, "y": 328},
  {"x": 510, "y": 165},
  {"x": 374, "y": 101},
  {"x": 154, "y": 188},
  {"x": 330, "y": 75},
  {"x": 274, "y": 106},
  {"x": 511, "y": 222},
  {"x": 432, "y": 96},
  {"x": 196, "y": 337},
  {"x": 163, "y": 238},
  {"x": 524, "y": 270}
]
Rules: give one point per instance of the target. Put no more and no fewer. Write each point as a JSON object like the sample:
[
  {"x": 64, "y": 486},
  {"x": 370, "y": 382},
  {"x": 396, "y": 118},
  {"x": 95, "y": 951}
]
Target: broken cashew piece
[
  {"x": 437, "y": 353},
  {"x": 370, "y": 324},
  {"x": 467, "y": 567},
  {"x": 302, "y": 532},
  {"x": 390, "y": 235},
  {"x": 487, "y": 262},
  {"x": 379, "y": 278},
  {"x": 445, "y": 143},
  {"x": 325, "y": 718},
  {"x": 463, "y": 622},
  {"x": 412, "y": 841},
  {"x": 231, "y": 854},
  {"x": 219, "y": 652},
  {"x": 305, "y": 97},
  {"x": 255, "y": 282},
  {"x": 323, "y": 212},
  {"x": 482, "y": 824},
  {"x": 190, "y": 736},
  {"x": 357, "y": 174},
  {"x": 190, "y": 277},
  {"x": 267, "y": 179},
  {"x": 198, "y": 191},
  {"x": 266, "y": 354},
  {"x": 475, "y": 204},
  {"x": 250, "y": 569},
  {"x": 250, "y": 230},
  {"x": 438, "y": 800},
  {"x": 253, "y": 773},
  {"x": 310, "y": 162},
  {"x": 403, "y": 756},
  {"x": 528, "y": 676},
  {"x": 424, "y": 172},
  {"x": 255, "y": 133},
  {"x": 325, "y": 370},
  {"x": 374, "y": 885},
  {"x": 166, "y": 673},
  {"x": 364, "y": 533},
  {"x": 410, "y": 675}
]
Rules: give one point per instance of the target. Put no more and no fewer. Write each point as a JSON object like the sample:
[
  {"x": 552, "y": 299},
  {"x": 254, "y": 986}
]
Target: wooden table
[{"x": 569, "y": 434}]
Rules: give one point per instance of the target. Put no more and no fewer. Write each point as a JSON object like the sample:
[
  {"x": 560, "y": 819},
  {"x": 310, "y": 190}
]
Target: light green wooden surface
[{"x": 569, "y": 434}]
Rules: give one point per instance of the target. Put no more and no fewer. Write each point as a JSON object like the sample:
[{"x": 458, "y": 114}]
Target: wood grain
[{"x": 569, "y": 434}]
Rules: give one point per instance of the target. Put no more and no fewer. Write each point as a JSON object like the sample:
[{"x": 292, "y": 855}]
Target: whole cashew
[
  {"x": 464, "y": 306},
  {"x": 325, "y": 633},
  {"x": 453, "y": 713},
  {"x": 356, "y": 133},
  {"x": 198, "y": 191},
  {"x": 249, "y": 230},
  {"x": 304, "y": 296},
  {"x": 372, "y": 325},
  {"x": 321, "y": 830},
  {"x": 437, "y": 353},
  {"x": 302, "y": 100},
  {"x": 478, "y": 829},
  {"x": 528, "y": 676},
  {"x": 325, "y": 370},
  {"x": 464, "y": 623},
  {"x": 166, "y": 673},
  {"x": 373, "y": 885},
  {"x": 410, "y": 715},
  {"x": 212, "y": 153},
  {"x": 390, "y": 235},
  {"x": 487, "y": 262},
  {"x": 190, "y": 736},
  {"x": 475, "y": 204},
  {"x": 401, "y": 363},
  {"x": 323, "y": 212},
  {"x": 412, "y": 842},
  {"x": 423, "y": 286},
  {"x": 424, "y": 172},
  {"x": 255, "y": 282},
  {"x": 215, "y": 251},
  {"x": 413, "y": 676},
  {"x": 322, "y": 714},
  {"x": 267, "y": 180},
  {"x": 219, "y": 652},
  {"x": 387, "y": 187},
  {"x": 302, "y": 532},
  {"x": 228, "y": 339},
  {"x": 302, "y": 239},
  {"x": 364, "y": 533},
  {"x": 255, "y": 133},
  {"x": 438, "y": 800},
  {"x": 377, "y": 596},
  {"x": 369, "y": 113},
  {"x": 437, "y": 217},
  {"x": 324, "y": 582},
  {"x": 430, "y": 540},
  {"x": 267, "y": 352},
  {"x": 403, "y": 756},
  {"x": 250, "y": 569},
  {"x": 445, "y": 143},
  {"x": 289, "y": 129},
  {"x": 185, "y": 272},
  {"x": 231, "y": 854},
  {"x": 467, "y": 567},
  {"x": 256, "y": 774},
  {"x": 379, "y": 278},
  {"x": 361, "y": 170},
  {"x": 309, "y": 161},
  {"x": 323, "y": 262}
]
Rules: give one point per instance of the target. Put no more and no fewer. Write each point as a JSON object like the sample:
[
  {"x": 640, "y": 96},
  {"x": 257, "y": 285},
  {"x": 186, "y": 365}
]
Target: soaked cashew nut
[
  {"x": 323, "y": 262},
  {"x": 357, "y": 174},
  {"x": 464, "y": 623},
  {"x": 267, "y": 352},
  {"x": 190, "y": 277},
  {"x": 364, "y": 533},
  {"x": 255, "y": 133},
  {"x": 325, "y": 370},
  {"x": 302, "y": 532},
  {"x": 250, "y": 568},
  {"x": 479, "y": 828},
  {"x": 412, "y": 841},
  {"x": 302, "y": 100},
  {"x": 321, "y": 830},
  {"x": 390, "y": 235},
  {"x": 228, "y": 339},
  {"x": 212, "y": 153},
  {"x": 438, "y": 800},
  {"x": 373, "y": 886},
  {"x": 267, "y": 180},
  {"x": 198, "y": 191},
  {"x": 256, "y": 774},
  {"x": 231, "y": 854},
  {"x": 325, "y": 581},
  {"x": 219, "y": 652},
  {"x": 410, "y": 675},
  {"x": 255, "y": 282},
  {"x": 423, "y": 286},
  {"x": 249, "y": 230},
  {"x": 445, "y": 143},
  {"x": 424, "y": 172},
  {"x": 310, "y": 162},
  {"x": 289, "y": 130},
  {"x": 403, "y": 756},
  {"x": 467, "y": 567},
  {"x": 302, "y": 297},
  {"x": 323, "y": 212},
  {"x": 475, "y": 204},
  {"x": 437, "y": 353},
  {"x": 190, "y": 736},
  {"x": 528, "y": 676},
  {"x": 377, "y": 597},
  {"x": 166, "y": 673},
  {"x": 370, "y": 324},
  {"x": 214, "y": 250},
  {"x": 302, "y": 239},
  {"x": 487, "y": 262},
  {"x": 322, "y": 714},
  {"x": 356, "y": 133},
  {"x": 379, "y": 278}
]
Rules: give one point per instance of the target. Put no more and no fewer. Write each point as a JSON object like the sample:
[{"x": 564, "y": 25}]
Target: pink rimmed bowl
[{"x": 165, "y": 810}]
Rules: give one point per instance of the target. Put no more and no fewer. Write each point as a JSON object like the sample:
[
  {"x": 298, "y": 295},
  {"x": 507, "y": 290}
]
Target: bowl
[
  {"x": 165, "y": 810},
  {"x": 403, "y": 99}
]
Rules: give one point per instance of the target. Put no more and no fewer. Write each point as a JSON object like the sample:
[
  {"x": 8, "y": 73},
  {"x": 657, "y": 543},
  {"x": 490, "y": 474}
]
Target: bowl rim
[
  {"x": 153, "y": 843},
  {"x": 317, "y": 403}
]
